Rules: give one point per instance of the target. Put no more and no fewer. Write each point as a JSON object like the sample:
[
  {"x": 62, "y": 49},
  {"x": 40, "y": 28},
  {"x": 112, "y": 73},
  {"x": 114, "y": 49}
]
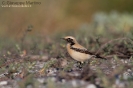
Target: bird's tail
[{"x": 98, "y": 56}]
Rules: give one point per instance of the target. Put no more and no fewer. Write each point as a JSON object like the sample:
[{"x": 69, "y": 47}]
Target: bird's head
[{"x": 71, "y": 40}]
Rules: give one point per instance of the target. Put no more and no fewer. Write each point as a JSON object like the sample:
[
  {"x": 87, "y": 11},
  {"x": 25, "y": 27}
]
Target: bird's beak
[{"x": 63, "y": 38}]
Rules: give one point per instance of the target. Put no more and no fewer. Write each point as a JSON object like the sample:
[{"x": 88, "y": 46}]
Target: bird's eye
[{"x": 69, "y": 39}]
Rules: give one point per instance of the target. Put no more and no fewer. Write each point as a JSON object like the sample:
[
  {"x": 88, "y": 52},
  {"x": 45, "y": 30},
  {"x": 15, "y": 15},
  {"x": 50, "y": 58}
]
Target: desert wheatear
[{"x": 76, "y": 51}]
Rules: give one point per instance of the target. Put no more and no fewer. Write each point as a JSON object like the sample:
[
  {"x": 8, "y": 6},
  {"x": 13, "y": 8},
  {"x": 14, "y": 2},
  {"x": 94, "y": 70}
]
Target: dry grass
[{"x": 40, "y": 61}]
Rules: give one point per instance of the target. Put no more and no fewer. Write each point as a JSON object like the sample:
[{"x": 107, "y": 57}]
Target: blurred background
[
  {"x": 31, "y": 48},
  {"x": 61, "y": 15}
]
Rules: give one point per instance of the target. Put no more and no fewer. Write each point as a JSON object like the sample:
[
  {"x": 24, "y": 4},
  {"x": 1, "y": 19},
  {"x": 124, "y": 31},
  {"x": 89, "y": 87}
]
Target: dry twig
[{"x": 109, "y": 42}]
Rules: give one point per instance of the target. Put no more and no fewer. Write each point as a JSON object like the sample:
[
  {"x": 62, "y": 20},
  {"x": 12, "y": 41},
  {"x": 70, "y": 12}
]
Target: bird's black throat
[{"x": 70, "y": 41}]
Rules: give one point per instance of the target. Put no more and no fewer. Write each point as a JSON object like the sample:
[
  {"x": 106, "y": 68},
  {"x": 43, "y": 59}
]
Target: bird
[{"x": 77, "y": 51}]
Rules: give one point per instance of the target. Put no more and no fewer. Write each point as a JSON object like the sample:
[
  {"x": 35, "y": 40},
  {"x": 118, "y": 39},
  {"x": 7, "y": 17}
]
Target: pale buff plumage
[{"x": 77, "y": 55}]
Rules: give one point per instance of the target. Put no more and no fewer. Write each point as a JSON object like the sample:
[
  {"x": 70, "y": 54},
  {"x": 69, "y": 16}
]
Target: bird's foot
[{"x": 80, "y": 64}]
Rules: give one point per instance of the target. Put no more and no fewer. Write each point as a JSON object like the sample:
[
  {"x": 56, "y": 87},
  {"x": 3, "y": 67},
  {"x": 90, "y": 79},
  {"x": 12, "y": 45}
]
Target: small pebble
[
  {"x": 91, "y": 86},
  {"x": 74, "y": 83},
  {"x": 2, "y": 83},
  {"x": 41, "y": 80},
  {"x": 29, "y": 86}
]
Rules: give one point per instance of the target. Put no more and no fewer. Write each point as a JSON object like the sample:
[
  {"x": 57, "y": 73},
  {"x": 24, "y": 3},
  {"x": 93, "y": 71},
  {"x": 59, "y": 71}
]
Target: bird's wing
[
  {"x": 79, "y": 46},
  {"x": 81, "y": 49}
]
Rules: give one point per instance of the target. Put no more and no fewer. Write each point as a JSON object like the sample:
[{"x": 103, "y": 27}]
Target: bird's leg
[{"x": 80, "y": 64}]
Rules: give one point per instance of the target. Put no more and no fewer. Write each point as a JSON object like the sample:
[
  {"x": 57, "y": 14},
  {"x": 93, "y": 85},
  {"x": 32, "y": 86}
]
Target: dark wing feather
[
  {"x": 82, "y": 50},
  {"x": 86, "y": 52}
]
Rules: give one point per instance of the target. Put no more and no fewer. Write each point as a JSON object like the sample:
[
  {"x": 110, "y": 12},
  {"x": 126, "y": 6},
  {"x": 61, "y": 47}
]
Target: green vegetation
[{"x": 41, "y": 61}]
